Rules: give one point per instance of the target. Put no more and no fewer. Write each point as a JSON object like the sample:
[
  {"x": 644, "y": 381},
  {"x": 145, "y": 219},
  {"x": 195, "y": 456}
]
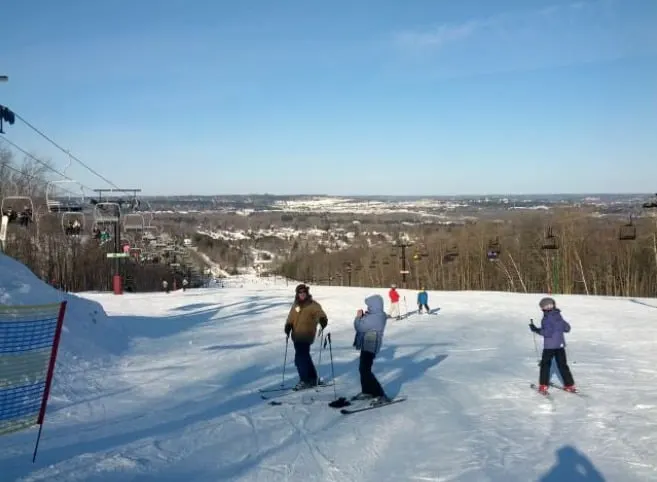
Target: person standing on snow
[
  {"x": 369, "y": 326},
  {"x": 422, "y": 300},
  {"x": 394, "y": 302},
  {"x": 552, "y": 329},
  {"x": 302, "y": 322}
]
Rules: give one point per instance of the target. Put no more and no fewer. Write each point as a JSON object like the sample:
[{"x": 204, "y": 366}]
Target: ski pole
[
  {"x": 328, "y": 338},
  {"x": 287, "y": 341},
  {"x": 319, "y": 361},
  {"x": 538, "y": 362}
]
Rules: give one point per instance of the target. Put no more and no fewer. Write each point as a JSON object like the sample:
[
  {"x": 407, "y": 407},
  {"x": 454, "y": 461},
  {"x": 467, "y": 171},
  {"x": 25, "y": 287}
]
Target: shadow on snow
[
  {"x": 572, "y": 466},
  {"x": 238, "y": 393}
]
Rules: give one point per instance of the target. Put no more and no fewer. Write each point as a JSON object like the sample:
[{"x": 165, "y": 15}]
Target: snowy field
[{"x": 164, "y": 387}]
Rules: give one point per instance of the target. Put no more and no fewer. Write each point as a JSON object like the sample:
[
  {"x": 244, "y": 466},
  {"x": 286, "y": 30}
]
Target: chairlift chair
[
  {"x": 26, "y": 202},
  {"x": 133, "y": 222},
  {"x": 107, "y": 212},
  {"x": 627, "y": 232},
  {"x": 451, "y": 254},
  {"x": 55, "y": 204},
  {"x": 651, "y": 204},
  {"x": 550, "y": 241},
  {"x": 68, "y": 223},
  {"x": 494, "y": 250}
]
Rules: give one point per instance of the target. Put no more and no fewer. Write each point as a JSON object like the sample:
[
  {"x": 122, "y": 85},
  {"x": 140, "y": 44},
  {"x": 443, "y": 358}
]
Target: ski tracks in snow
[{"x": 328, "y": 468}]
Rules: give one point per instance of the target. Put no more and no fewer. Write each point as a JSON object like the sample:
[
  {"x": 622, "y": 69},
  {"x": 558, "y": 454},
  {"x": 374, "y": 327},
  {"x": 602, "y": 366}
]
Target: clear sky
[{"x": 425, "y": 97}]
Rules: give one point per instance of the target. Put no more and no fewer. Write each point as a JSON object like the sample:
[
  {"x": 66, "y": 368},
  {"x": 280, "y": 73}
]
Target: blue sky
[{"x": 426, "y": 97}]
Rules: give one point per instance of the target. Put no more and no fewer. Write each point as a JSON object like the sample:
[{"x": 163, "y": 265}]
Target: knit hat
[{"x": 301, "y": 287}]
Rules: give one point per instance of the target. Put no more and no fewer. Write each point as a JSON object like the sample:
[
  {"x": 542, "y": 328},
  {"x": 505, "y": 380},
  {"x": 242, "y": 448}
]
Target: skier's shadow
[{"x": 572, "y": 466}]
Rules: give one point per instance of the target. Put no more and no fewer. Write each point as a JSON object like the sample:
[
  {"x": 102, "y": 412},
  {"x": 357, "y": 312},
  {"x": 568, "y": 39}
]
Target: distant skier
[
  {"x": 369, "y": 326},
  {"x": 302, "y": 322},
  {"x": 185, "y": 283},
  {"x": 165, "y": 285},
  {"x": 422, "y": 300},
  {"x": 394, "y": 302},
  {"x": 552, "y": 329}
]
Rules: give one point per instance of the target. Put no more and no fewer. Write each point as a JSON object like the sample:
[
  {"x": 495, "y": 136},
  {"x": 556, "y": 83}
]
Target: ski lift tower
[
  {"x": 117, "y": 281},
  {"x": 402, "y": 244}
]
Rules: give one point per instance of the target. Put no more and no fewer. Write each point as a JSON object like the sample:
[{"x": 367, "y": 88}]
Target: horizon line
[{"x": 261, "y": 194}]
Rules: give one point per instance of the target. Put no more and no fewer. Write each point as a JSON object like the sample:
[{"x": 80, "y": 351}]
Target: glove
[
  {"x": 534, "y": 328},
  {"x": 323, "y": 321},
  {"x": 288, "y": 329}
]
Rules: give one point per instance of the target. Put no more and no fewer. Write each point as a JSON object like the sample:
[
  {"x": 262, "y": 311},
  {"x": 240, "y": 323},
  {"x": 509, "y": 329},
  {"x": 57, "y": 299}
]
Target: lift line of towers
[
  {"x": 626, "y": 232},
  {"x": 122, "y": 214}
]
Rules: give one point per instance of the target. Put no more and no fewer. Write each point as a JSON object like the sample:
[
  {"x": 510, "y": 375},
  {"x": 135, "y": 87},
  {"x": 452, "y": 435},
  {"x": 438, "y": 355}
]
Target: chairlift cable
[
  {"x": 82, "y": 163},
  {"x": 32, "y": 177},
  {"x": 44, "y": 164}
]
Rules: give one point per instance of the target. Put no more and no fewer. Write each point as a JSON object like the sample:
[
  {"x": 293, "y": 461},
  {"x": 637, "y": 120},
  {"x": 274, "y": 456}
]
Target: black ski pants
[
  {"x": 368, "y": 382},
  {"x": 422, "y": 305},
  {"x": 304, "y": 362},
  {"x": 562, "y": 364}
]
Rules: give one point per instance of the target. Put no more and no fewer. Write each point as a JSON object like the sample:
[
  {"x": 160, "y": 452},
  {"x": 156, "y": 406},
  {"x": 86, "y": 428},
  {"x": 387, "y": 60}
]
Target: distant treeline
[{"x": 587, "y": 257}]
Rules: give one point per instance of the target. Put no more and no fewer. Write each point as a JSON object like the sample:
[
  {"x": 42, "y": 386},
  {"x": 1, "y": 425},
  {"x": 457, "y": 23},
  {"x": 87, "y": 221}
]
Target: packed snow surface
[{"x": 164, "y": 387}]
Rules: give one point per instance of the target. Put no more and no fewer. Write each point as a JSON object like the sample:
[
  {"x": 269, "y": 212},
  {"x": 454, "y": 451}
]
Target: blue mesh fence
[{"x": 26, "y": 341}]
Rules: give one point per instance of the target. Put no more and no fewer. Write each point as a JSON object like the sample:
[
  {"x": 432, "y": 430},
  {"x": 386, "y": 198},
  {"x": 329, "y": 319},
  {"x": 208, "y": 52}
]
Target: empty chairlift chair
[
  {"x": 550, "y": 242},
  {"x": 651, "y": 204},
  {"x": 451, "y": 254},
  {"x": 627, "y": 232},
  {"x": 57, "y": 202},
  {"x": 107, "y": 212},
  {"x": 133, "y": 222}
]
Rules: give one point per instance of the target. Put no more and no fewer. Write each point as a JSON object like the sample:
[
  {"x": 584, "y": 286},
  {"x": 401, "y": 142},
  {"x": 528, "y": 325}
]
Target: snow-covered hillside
[{"x": 168, "y": 391}]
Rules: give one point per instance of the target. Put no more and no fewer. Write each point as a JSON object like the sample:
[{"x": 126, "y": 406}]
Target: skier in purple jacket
[{"x": 552, "y": 329}]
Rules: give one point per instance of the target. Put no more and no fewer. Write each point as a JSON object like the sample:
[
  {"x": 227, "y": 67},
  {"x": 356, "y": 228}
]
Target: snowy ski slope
[{"x": 157, "y": 387}]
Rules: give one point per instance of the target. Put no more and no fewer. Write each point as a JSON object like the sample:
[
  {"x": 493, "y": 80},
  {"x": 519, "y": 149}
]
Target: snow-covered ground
[{"x": 164, "y": 387}]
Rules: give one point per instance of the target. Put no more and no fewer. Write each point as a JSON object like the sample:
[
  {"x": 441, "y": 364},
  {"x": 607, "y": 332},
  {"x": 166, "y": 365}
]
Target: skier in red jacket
[{"x": 394, "y": 302}]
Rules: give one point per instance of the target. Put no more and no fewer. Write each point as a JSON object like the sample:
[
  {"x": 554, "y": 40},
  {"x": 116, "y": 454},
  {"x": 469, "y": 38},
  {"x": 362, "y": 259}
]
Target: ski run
[{"x": 179, "y": 386}]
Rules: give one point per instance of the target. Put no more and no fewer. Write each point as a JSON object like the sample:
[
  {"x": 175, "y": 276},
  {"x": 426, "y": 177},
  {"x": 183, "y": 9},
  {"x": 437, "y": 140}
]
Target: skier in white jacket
[{"x": 369, "y": 326}]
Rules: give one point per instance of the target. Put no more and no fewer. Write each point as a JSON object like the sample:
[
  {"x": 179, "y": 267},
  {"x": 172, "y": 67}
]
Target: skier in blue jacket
[
  {"x": 552, "y": 329},
  {"x": 422, "y": 301},
  {"x": 369, "y": 326}
]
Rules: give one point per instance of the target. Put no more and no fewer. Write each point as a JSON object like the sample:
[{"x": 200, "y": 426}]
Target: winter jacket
[
  {"x": 553, "y": 326},
  {"x": 394, "y": 296},
  {"x": 422, "y": 298},
  {"x": 369, "y": 328},
  {"x": 304, "y": 318}
]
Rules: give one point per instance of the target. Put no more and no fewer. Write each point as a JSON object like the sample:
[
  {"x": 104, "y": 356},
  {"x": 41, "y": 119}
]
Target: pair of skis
[
  {"x": 277, "y": 392},
  {"x": 347, "y": 411},
  {"x": 272, "y": 393}
]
